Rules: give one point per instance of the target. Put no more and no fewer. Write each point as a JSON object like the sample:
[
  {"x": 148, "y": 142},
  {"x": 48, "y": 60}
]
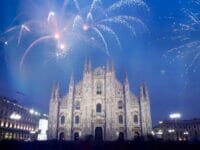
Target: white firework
[{"x": 187, "y": 33}]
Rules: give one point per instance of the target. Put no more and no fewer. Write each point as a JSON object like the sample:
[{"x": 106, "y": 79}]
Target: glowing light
[
  {"x": 175, "y": 116},
  {"x": 152, "y": 132},
  {"x": 62, "y": 46},
  {"x": 57, "y": 36},
  {"x": 160, "y": 132},
  {"x": 15, "y": 116},
  {"x": 171, "y": 130},
  {"x": 86, "y": 27},
  {"x": 6, "y": 43},
  {"x": 186, "y": 133},
  {"x": 31, "y": 111},
  {"x": 160, "y": 122}
]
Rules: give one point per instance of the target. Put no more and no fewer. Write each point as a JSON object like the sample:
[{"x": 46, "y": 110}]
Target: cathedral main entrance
[{"x": 98, "y": 134}]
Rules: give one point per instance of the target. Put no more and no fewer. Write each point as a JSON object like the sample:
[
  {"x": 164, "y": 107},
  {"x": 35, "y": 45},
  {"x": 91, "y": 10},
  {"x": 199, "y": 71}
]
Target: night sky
[{"x": 145, "y": 57}]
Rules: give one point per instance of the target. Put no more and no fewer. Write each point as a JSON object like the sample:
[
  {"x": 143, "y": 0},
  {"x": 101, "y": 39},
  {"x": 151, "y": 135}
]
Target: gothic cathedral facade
[{"x": 101, "y": 107}]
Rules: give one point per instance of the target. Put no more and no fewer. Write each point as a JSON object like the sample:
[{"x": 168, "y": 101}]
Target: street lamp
[
  {"x": 175, "y": 116},
  {"x": 15, "y": 116}
]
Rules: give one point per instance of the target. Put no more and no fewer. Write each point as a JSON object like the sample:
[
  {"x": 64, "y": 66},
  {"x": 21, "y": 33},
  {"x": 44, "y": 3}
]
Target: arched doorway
[
  {"x": 98, "y": 134},
  {"x": 61, "y": 136},
  {"x": 121, "y": 136},
  {"x": 76, "y": 136},
  {"x": 136, "y": 135}
]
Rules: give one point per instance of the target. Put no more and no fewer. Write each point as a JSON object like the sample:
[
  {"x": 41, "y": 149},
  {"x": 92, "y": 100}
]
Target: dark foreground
[{"x": 63, "y": 145}]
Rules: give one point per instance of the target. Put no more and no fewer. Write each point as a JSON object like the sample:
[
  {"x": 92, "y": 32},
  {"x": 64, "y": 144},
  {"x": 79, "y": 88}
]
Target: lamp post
[{"x": 175, "y": 117}]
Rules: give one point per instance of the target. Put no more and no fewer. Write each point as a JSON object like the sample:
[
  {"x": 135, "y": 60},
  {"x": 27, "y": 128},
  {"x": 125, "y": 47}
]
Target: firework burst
[
  {"x": 187, "y": 34},
  {"x": 80, "y": 24}
]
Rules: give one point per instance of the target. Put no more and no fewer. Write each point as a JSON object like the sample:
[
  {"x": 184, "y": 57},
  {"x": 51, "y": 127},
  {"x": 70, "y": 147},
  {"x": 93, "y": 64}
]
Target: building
[
  {"x": 178, "y": 130},
  {"x": 43, "y": 127},
  {"x": 17, "y": 122},
  {"x": 99, "y": 106}
]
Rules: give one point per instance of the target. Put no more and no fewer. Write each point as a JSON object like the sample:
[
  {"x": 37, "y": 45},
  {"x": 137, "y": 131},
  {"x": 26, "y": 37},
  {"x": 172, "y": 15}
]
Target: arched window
[
  {"x": 77, "y": 105},
  {"x": 135, "y": 118},
  {"x": 98, "y": 88},
  {"x": 120, "y": 119},
  {"x": 120, "y": 104},
  {"x": 62, "y": 119},
  {"x": 77, "y": 119},
  {"x": 98, "y": 108}
]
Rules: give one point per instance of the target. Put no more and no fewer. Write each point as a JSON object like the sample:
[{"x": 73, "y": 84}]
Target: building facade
[
  {"x": 181, "y": 130},
  {"x": 99, "y": 106},
  {"x": 16, "y": 121}
]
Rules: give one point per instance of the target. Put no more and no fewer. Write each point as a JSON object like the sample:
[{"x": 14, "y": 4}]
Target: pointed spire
[
  {"x": 55, "y": 92},
  {"x": 112, "y": 67},
  {"x": 145, "y": 90},
  {"x": 71, "y": 82},
  {"x": 86, "y": 65},
  {"x": 141, "y": 91},
  {"x": 126, "y": 78},
  {"x": 108, "y": 66},
  {"x": 89, "y": 65}
]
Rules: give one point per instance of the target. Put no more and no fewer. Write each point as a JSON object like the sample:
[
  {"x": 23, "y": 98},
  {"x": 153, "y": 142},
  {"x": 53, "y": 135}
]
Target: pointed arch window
[
  {"x": 98, "y": 88},
  {"x": 77, "y": 105},
  {"x": 120, "y": 118},
  {"x": 77, "y": 119},
  {"x": 62, "y": 120},
  {"x": 135, "y": 118},
  {"x": 120, "y": 104},
  {"x": 98, "y": 108}
]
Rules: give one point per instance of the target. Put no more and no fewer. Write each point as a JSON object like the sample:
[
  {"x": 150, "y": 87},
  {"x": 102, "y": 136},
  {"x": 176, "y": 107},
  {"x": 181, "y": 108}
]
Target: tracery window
[{"x": 98, "y": 108}]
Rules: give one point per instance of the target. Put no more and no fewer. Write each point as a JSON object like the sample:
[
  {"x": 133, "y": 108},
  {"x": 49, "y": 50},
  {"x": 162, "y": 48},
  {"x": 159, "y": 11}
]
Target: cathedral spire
[
  {"x": 71, "y": 82},
  {"x": 126, "y": 78},
  {"x": 55, "y": 92},
  {"x": 87, "y": 66},
  {"x": 145, "y": 90},
  {"x": 141, "y": 91}
]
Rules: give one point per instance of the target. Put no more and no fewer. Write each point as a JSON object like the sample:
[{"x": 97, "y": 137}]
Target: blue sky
[{"x": 170, "y": 88}]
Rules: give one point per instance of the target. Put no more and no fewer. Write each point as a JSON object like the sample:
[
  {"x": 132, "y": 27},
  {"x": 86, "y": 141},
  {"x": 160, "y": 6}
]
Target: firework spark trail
[
  {"x": 102, "y": 38},
  {"x": 23, "y": 28},
  {"x": 119, "y": 20},
  {"x": 123, "y": 3},
  {"x": 53, "y": 25},
  {"x": 187, "y": 34},
  {"x": 77, "y": 20},
  {"x": 109, "y": 30},
  {"x": 94, "y": 4},
  {"x": 77, "y": 5},
  {"x": 30, "y": 47}
]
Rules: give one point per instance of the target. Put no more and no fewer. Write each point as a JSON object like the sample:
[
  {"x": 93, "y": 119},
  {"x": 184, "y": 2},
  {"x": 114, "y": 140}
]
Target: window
[
  {"x": 135, "y": 118},
  {"x": 77, "y": 105},
  {"x": 62, "y": 119},
  {"x": 120, "y": 104},
  {"x": 98, "y": 108},
  {"x": 77, "y": 120},
  {"x": 120, "y": 119},
  {"x": 99, "y": 89}
]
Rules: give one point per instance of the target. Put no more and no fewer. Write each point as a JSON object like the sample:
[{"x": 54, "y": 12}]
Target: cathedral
[{"x": 99, "y": 107}]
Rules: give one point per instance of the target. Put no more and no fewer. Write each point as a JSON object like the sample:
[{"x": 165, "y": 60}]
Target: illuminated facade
[
  {"x": 181, "y": 130},
  {"x": 16, "y": 121},
  {"x": 99, "y": 106}
]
